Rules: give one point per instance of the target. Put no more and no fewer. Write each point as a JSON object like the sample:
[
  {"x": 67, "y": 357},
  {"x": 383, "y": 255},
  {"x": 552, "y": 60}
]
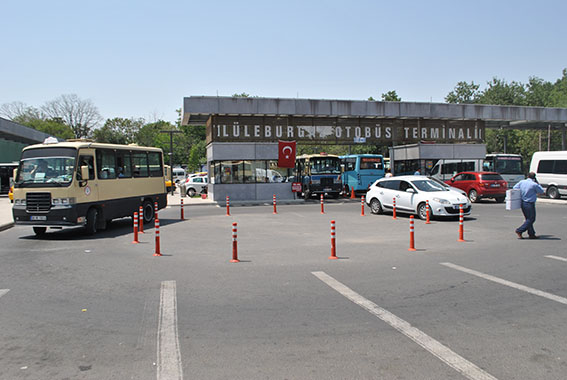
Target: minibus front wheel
[{"x": 92, "y": 216}]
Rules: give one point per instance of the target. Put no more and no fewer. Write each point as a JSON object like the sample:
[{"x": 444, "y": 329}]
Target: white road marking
[
  {"x": 511, "y": 284},
  {"x": 3, "y": 292},
  {"x": 452, "y": 359},
  {"x": 169, "y": 355},
  {"x": 556, "y": 258}
]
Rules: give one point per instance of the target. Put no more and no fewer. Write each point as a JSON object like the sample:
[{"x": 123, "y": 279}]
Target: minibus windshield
[{"x": 46, "y": 167}]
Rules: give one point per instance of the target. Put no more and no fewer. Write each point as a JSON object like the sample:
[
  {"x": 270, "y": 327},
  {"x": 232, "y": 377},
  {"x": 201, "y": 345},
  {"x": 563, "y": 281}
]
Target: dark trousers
[{"x": 528, "y": 208}]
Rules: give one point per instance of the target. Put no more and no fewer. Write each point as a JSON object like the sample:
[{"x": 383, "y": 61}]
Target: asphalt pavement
[{"x": 101, "y": 307}]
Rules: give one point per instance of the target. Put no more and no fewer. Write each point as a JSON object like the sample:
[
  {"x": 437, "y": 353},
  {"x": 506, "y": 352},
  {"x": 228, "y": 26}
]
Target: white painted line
[
  {"x": 3, "y": 292},
  {"x": 556, "y": 258},
  {"x": 526, "y": 289},
  {"x": 452, "y": 359},
  {"x": 169, "y": 355}
]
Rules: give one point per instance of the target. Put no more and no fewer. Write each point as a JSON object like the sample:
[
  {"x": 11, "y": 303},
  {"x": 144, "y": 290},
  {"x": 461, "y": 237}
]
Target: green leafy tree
[
  {"x": 464, "y": 93},
  {"x": 391, "y": 96},
  {"x": 118, "y": 131},
  {"x": 53, "y": 127}
]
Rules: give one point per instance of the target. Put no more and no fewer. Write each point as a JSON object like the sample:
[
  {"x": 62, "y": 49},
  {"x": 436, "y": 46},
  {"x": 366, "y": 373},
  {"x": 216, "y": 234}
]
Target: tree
[
  {"x": 118, "y": 131},
  {"x": 391, "y": 96},
  {"x": 53, "y": 127},
  {"x": 20, "y": 111},
  {"x": 242, "y": 95},
  {"x": 81, "y": 115},
  {"x": 464, "y": 93}
]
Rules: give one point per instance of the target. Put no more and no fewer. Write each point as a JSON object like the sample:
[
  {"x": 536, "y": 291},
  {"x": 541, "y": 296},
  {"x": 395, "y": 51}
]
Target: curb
[{"x": 6, "y": 226}]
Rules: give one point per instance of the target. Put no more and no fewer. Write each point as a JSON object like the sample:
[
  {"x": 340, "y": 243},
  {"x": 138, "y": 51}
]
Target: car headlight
[{"x": 442, "y": 201}]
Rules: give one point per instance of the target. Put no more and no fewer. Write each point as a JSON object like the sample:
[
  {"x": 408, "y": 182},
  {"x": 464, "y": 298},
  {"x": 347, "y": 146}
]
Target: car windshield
[
  {"x": 428, "y": 185},
  {"x": 52, "y": 170}
]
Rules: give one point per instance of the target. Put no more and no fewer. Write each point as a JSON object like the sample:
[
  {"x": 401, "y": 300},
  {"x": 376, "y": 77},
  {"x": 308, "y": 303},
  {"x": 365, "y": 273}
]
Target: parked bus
[
  {"x": 319, "y": 174},
  {"x": 82, "y": 183},
  {"x": 359, "y": 171},
  {"x": 551, "y": 172},
  {"x": 509, "y": 166},
  {"x": 6, "y": 176}
]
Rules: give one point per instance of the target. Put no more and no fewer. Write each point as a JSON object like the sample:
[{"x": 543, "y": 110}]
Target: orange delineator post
[
  {"x": 461, "y": 220},
  {"x": 182, "y": 213},
  {"x": 135, "y": 241},
  {"x": 352, "y": 196},
  {"x": 227, "y": 206},
  {"x": 362, "y": 206},
  {"x": 141, "y": 220},
  {"x": 157, "y": 253},
  {"x": 274, "y": 202},
  {"x": 411, "y": 235},
  {"x": 394, "y": 209},
  {"x": 322, "y": 206},
  {"x": 234, "y": 244},
  {"x": 333, "y": 244},
  {"x": 427, "y": 212}
]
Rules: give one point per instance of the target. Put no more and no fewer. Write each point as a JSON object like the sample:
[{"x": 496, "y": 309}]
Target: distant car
[
  {"x": 194, "y": 185},
  {"x": 411, "y": 193},
  {"x": 480, "y": 185}
]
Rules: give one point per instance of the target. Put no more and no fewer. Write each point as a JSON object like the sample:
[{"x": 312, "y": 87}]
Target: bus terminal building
[{"x": 243, "y": 133}]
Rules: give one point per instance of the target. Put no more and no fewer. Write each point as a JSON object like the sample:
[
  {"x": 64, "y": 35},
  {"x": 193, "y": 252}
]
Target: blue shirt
[{"x": 529, "y": 189}]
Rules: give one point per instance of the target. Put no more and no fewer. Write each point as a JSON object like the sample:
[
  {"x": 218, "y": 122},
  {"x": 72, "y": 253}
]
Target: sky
[{"x": 141, "y": 58}]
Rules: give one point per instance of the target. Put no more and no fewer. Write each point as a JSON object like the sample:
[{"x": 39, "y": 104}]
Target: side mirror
[
  {"x": 410, "y": 190},
  {"x": 452, "y": 179},
  {"x": 84, "y": 175}
]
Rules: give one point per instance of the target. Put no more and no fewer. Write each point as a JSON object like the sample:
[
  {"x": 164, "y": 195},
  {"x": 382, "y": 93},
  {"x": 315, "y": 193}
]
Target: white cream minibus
[
  {"x": 82, "y": 183},
  {"x": 551, "y": 172}
]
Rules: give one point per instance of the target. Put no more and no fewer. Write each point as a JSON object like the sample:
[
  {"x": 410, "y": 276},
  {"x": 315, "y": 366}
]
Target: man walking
[{"x": 529, "y": 189}]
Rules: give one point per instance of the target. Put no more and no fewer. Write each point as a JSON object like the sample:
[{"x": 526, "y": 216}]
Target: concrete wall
[{"x": 437, "y": 151}]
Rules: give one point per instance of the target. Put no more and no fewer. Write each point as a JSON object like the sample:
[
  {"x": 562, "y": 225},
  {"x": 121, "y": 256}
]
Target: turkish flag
[{"x": 286, "y": 154}]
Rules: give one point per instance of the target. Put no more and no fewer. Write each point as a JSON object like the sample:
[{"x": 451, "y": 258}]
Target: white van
[
  {"x": 445, "y": 169},
  {"x": 551, "y": 171},
  {"x": 179, "y": 174}
]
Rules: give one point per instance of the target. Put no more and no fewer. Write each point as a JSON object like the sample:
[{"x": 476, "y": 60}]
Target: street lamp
[{"x": 171, "y": 132}]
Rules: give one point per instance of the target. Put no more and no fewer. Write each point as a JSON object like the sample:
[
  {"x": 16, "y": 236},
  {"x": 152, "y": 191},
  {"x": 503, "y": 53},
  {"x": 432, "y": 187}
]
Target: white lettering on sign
[
  {"x": 461, "y": 134},
  {"x": 357, "y": 132},
  {"x": 224, "y": 133},
  {"x": 290, "y": 131},
  {"x": 279, "y": 131},
  {"x": 406, "y": 131},
  {"x": 367, "y": 132},
  {"x": 377, "y": 131},
  {"x": 236, "y": 129},
  {"x": 414, "y": 133},
  {"x": 434, "y": 133},
  {"x": 268, "y": 131},
  {"x": 338, "y": 132},
  {"x": 256, "y": 131},
  {"x": 246, "y": 134},
  {"x": 424, "y": 133},
  {"x": 347, "y": 132},
  {"x": 389, "y": 132}
]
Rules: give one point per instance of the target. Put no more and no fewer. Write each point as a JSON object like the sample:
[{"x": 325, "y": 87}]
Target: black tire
[
  {"x": 499, "y": 199},
  {"x": 39, "y": 231},
  {"x": 376, "y": 206},
  {"x": 191, "y": 192},
  {"x": 422, "y": 211},
  {"x": 92, "y": 216},
  {"x": 473, "y": 196},
  {"x": 148, "y": 210},
  {"x": 553, "y": 193}
]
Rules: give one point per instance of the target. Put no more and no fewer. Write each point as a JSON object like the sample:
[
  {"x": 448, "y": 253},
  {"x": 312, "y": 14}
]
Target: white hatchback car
[{"x": 411, "y": 193}]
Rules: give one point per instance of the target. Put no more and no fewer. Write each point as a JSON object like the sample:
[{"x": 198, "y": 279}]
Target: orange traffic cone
[{"x": 352, "y": 193}]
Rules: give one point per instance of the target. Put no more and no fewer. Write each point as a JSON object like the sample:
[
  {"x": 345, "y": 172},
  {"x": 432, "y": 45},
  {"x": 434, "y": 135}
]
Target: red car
[{"x": 480, "y": 185}]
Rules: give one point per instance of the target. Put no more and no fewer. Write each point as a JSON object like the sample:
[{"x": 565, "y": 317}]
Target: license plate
[
  {"x": 495, "y": 185},
  {"x": 455, "y": 207},
  {"x": 38, "y": 217},
  {"x": 327, "y": 189}
]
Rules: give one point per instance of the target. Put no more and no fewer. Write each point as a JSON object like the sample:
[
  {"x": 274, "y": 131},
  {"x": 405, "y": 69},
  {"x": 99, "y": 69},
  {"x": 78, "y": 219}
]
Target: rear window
[{"x": 491, "y": 177}]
